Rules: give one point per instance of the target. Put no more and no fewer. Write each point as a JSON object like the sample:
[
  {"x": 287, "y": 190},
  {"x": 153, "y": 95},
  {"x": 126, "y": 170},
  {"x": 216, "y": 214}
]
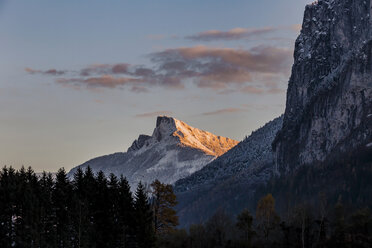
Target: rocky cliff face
[
  {"x": 329, "y": 97},
  {"x": 173, "y": 151}
]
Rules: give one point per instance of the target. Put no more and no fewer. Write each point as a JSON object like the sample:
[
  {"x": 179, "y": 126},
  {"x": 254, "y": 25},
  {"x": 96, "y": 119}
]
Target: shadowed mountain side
[{"x": 230, "y": 181}]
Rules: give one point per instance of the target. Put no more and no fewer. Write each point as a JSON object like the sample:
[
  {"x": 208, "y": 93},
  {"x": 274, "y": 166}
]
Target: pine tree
[
  {"x": 62, "y": 206},
  {"x": 80, "y": 213},
  {"x": 26, "y": 220},
  {"x": 127, "y": 215},
  {"x": 47, "y": 215},
  {"x": 101, "y": 212},
  {"x": 145, "y": 236},
  {"x": 8, "y": 189},
  {"x": 114, "y": 210},
  {"x": 89, "y": 195}
]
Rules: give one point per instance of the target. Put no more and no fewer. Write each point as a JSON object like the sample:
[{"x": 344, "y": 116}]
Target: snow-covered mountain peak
[
  {"x": 208, "y": 142},
  {"x": 169, "y": 130},
  {"x": 173, "y": 151}
]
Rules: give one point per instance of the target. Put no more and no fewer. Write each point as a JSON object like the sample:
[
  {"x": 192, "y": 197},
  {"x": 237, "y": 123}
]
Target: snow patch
[{"x": 175, "y": 150}]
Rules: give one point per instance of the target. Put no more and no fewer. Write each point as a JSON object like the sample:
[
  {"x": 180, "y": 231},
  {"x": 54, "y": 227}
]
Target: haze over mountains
[{"x": 174, "y": 150}]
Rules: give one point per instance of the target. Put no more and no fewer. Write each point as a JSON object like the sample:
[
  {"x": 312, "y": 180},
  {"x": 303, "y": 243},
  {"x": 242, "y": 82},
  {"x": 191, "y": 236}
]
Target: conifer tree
[
  {"x": 8, "y": 189},
  {"x": 89, "y": 191},
  {"x": 47, "y": 215},
  {"x": 80, "y": 214},
  {"x": 62, "y": 207},
  {"x": 26, "y": 220},
  {"x": 101, "y": 213},
  {"x": 113, "y": 210},
  {"x": 145, "y": 236},
  {"x": 127, "y": 215}
]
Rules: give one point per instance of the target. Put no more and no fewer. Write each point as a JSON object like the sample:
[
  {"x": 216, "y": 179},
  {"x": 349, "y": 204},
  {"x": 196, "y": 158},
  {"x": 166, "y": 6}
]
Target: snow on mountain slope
[
  {"x": 228, "y": 182},
  {"x": 255, "y": 148},
  {"x": 175, "y": 150}
]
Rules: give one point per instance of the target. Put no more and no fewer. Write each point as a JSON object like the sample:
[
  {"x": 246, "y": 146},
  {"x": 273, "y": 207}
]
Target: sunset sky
[{"x": 80, "y": 79}]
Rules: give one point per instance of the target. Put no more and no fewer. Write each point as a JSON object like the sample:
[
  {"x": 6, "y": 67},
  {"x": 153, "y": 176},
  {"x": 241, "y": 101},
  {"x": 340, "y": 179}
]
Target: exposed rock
[
  {"x": 329, "y": 96},
  {"x": 175, "y": 150}
]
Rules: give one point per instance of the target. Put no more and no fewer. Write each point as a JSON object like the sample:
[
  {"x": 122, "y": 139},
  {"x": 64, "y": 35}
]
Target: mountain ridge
[
  {"x": 328, "y": 119},
  {"x": 229, "y": 181},
  {"x": 174, "y": 150}
]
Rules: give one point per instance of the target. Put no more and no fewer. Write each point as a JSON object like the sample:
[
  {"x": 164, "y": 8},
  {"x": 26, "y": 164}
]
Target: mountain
[
  {"x": 173, "y": 151},
  {"x": 323, "y": 144},
  {"x": 229, "y": 181},
  {"x": 329, "y": 97}
]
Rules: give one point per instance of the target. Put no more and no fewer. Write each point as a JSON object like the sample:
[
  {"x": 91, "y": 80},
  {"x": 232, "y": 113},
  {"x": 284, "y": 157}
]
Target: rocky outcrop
[
  {"x": 174, "y": 150},
  {"x": 329, "y": 97}
]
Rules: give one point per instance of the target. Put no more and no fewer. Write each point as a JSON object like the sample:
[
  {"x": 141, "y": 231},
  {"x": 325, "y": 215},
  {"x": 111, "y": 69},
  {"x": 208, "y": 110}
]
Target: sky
[{"x": 81, "y": 79}]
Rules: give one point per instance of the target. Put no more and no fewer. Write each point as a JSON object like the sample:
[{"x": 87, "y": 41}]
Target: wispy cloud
[
  {"x": 225, "y": 111},
  {"x": 154, "y": 114},
  {"x": 296, "y": 27},
  {"x": 233, "y": 34},
  {"x": 240, "y": 33},
  {"x": 217, "y": 68},
  {"x": 254, "y": 71},
  {"x": 52, "y": 72},
  {"x": 105, "y": 81},
  {"x": 98, "y": 69},
  {"x": 139, "y": 89}
]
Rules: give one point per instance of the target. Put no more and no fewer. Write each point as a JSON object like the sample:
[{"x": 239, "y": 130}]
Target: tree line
[
  {"x": 300, "y": 227},
  {"x": 88, "y": 211},
  {"x": 94, "y": 211}
]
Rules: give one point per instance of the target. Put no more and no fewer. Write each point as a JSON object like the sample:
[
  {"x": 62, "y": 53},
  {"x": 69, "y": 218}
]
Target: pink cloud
[
  {"x": 219, "y": 69},
  {"x": 105, "y": 81},
  {"x": 233, "y": 34},
  {"x": 225, "y": 111},
  {"x": 52, "y": 72},
  {"x": 99, "y": 69}
]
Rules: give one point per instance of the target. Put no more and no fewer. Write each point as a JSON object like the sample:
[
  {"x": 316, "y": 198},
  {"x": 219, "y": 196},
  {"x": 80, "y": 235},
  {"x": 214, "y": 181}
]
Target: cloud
[
  {"x": 217, "y": 68},
  {"x": 153, "y": 114},
  {"x": 253, "y": 71},
  {"x": 233, "y": 34},
  {"x": 52, "y": 72},
  {"x": 105, "y": 81},
  {"x": 225, "y": 111},
  {"x": 139, "y": 89},
  {"x": 252, "y": 90},
  {"x": 296, "y": 27},
  {"x": 99, "y": 69}
]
